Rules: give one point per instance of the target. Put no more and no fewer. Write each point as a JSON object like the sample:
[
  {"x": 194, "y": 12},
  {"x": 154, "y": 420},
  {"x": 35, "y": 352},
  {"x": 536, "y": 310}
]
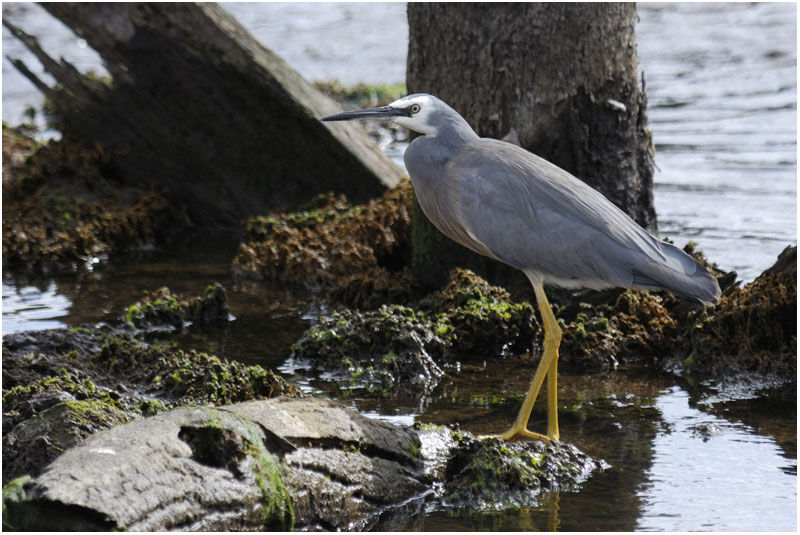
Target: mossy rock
[
  {"x": 210, "y": 468},
  {"x": 36, "y": 442},
  {"x": 753, "y": 330},
  {"x": 495, "y": 475},
  {"x": 401, "y": 349},
  {"x": 394, "y": 348},
  {"x": 331, "y": 240},
  {"x": 636, "y": 329},
  {"x": 157, "y": 309},
  {"x": 65, "y": 209},
  {"x": 483, "y": 320},
  {"x": 97, "y": 379}
]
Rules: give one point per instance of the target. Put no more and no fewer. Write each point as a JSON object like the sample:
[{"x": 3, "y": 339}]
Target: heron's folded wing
[{"x": 537, "y": 217}]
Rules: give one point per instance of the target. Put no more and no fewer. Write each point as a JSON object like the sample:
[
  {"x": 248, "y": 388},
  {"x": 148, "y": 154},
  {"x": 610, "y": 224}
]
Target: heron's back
[{"x": 504, "y": 202}]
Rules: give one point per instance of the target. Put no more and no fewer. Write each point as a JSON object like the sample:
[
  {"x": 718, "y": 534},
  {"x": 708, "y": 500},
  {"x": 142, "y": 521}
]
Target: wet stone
[
  {"x": 271, "y": 464},
  {"x": 495, "y": 475},
  {"x": 393, "y": 350}
]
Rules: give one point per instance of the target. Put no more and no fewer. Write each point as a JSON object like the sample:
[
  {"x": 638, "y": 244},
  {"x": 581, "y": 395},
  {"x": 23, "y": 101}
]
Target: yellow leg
[{"x": 547, "y": 367}]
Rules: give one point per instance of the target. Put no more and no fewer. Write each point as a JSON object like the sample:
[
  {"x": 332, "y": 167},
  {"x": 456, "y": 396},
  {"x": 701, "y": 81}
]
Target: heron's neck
[{"x": 455, "y": 132}]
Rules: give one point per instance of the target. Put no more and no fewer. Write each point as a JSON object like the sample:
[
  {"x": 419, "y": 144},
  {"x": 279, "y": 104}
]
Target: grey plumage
[{"x": 504, "y": 202}]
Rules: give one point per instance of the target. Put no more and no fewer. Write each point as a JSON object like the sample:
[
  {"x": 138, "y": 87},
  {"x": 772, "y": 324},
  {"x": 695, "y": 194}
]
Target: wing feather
[{"x": 540, "y": 219}]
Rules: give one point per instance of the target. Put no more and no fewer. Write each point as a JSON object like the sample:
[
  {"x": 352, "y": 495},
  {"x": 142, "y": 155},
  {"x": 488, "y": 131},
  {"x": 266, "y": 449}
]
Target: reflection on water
[
  {"x": 739, "y": 481},
  {"x": 28, "y": 308}
]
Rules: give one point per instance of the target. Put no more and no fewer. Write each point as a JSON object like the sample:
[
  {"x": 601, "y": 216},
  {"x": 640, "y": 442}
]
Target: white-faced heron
[{"x": 508, "y": 204}]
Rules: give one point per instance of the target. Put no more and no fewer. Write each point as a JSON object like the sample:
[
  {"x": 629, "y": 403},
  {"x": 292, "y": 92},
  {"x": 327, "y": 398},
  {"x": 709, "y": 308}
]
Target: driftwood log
[{"x": 197, "y": 104}]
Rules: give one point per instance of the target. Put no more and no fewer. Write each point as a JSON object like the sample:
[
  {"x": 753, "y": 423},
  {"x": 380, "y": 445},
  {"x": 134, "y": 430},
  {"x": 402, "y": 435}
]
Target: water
[
  {"x": 723, "y": 498},
  {"x": 721, "y": 84}
]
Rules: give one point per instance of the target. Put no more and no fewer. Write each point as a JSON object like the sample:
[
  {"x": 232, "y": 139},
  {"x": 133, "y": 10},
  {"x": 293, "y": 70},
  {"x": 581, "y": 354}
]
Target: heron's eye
[{"x": 414, "y": 108}]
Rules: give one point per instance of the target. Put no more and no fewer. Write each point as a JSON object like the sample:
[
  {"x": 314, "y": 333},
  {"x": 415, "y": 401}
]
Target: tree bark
[
  {"x": 197, "y": 104},
  {"x": 560, "y": 80}
]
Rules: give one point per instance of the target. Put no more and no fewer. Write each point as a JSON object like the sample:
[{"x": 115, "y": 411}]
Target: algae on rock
[
  {"x": 63, "y": 207},
  {"x": 752, "y": 330},
  {"x": 332, "y": 243},
  {"x": 60, "y": 386}
]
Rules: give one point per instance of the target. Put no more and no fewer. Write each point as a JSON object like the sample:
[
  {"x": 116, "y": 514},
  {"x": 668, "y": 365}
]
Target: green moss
[
  {"x": 80, "y": 330},
  {"x": 92, "y": 413},
  {"x": 277, "y": 503},
  {"x": 363, "y": 94},
  {"x": 157, "y": 308},
  {"x": 415, "y": 447},
  {"x": 14, "y": 493},
  {"x": 151, "y": 407},
  {"x": 497, "y": 474}
]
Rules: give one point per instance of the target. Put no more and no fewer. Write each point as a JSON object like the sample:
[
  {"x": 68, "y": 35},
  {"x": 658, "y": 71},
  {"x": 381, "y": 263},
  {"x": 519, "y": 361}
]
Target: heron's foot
[{"x": 515, "y": 433}]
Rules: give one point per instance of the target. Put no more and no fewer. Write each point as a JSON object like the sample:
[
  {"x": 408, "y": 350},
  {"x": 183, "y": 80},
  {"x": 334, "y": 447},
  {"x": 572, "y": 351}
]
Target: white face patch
[{"x": 419, "y": 120}]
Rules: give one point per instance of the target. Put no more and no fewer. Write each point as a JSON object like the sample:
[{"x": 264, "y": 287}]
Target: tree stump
[{"x": 560, "y": 80}]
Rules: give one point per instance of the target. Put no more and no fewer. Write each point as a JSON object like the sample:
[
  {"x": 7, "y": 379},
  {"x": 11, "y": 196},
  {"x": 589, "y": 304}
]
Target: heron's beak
[{"x": 384, "y": 112}]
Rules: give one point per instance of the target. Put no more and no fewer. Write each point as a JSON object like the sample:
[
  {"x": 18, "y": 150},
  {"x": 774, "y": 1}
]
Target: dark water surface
[{"x": 721, "y": 81}]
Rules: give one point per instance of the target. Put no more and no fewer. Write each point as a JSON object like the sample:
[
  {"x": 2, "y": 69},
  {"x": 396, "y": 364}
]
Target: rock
[
  {"x": 189, "y": 469},
  {"x": 484, "y": 322},
  {"x": 751, "y": 334},
  {"x": 496, "y": 475},
  {"x": 37, "y": 441},
  {"x": 635, "y": 329},
  {"x": 403, "y": 351},
  {"x": 60, "y": 386},
  {"x": 211, "y": 308},
  {"x": 163, "y": 309},
  {"x": 65, "y": 210},
  {"x": 277, "y": 464},
  {"x": 329, "y": 239},
  {"x": 393, "y": 350},
  {"x": 156, "y": 309}
]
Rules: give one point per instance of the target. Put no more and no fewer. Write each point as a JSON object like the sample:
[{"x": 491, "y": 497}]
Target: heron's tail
[{"x": 681, "y": 275}]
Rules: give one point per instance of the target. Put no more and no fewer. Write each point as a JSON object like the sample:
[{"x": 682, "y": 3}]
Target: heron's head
[{"x": 420, "y": 112}]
